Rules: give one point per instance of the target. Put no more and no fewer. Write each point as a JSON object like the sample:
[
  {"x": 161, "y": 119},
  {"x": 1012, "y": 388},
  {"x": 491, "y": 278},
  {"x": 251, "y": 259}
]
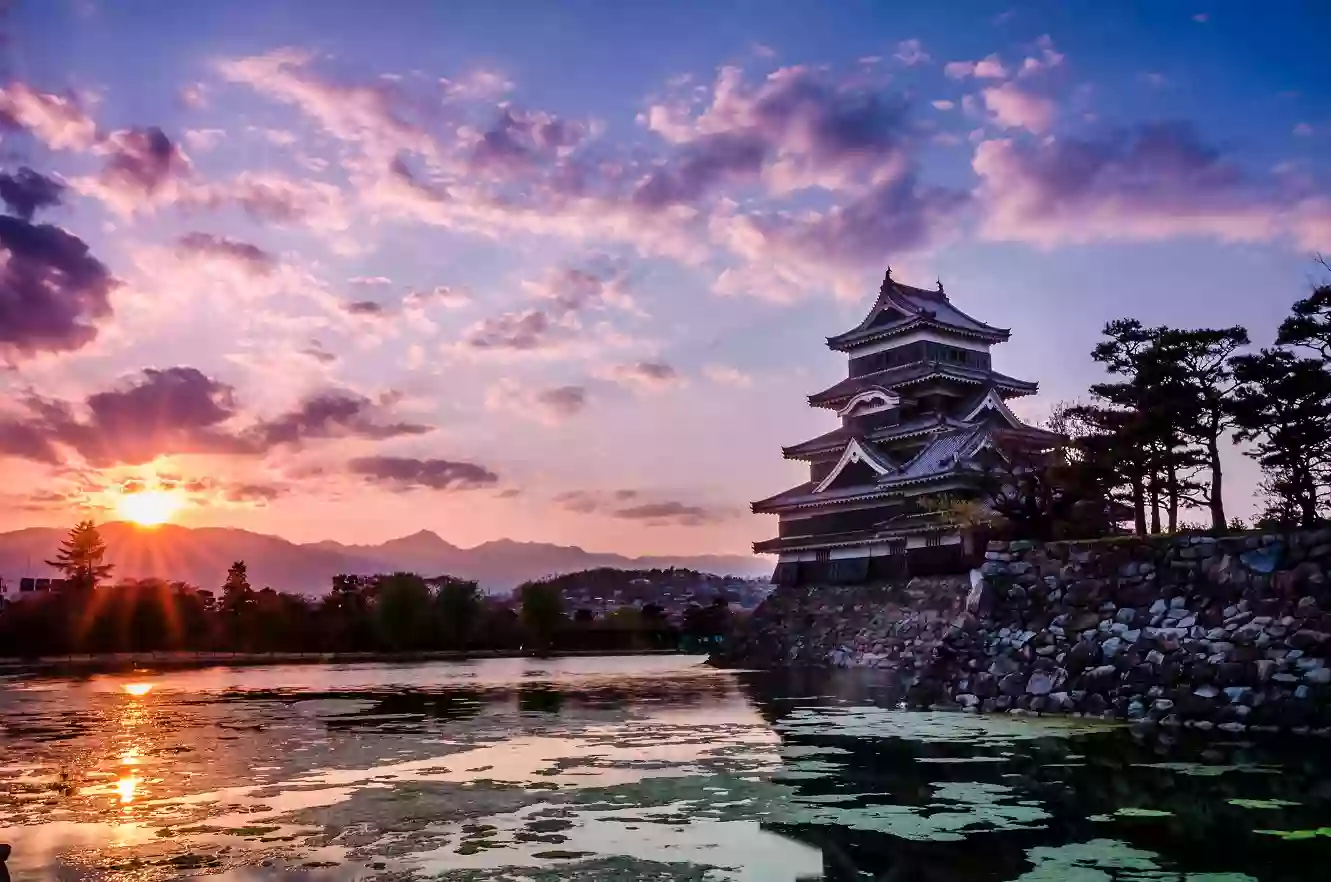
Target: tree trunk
[
  {"x": 1154, "y": 502},
  {"x": 1138, "y": 504},
  {"x": 1307, "y": 501},
  {"x": 1218, "y": 521},
  {"x": 1171, "y": 491}
]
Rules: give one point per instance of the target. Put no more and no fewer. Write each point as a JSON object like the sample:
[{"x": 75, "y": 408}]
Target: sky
[{"x": 563, "y": 272}]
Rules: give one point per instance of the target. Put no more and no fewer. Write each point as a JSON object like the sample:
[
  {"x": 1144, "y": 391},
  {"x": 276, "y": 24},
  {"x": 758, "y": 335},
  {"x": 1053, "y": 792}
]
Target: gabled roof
[
  {"x": 905, "y": 374},
  {"x": 858, "y": 451},
  {"x": 899, "y": 308},
  {"x": 836, "y": 439},
  {"x": 944, "y": 456}
]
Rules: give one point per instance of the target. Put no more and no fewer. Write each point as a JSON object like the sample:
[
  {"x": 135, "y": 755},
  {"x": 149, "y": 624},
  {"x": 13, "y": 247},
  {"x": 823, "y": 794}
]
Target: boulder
[{"x": 1040, "y": 684}]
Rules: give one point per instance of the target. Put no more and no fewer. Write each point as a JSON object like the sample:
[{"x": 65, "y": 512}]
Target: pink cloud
[
  {"x": 726, "y": 375},
  {"x": 1013, "y": 107},
  {"x": 1156, "y": 182},
  {"x": 990, "y": 68},
  {"x": 549, "y": 405},
  {"x": 911, "y": 52},
  {"x": 58, "y": 121}
]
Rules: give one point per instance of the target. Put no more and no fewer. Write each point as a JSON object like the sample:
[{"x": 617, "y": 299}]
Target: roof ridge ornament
[
  {"x": 887, "y": 281},
  {"x": 940, "y": 288}
]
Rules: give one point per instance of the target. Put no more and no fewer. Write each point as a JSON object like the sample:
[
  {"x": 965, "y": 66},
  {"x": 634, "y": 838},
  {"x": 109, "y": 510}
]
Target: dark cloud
[
  {"x": 365, "y": 308},
  {"x": 562, "y": 401},
  {"x": 251, "y": 257},
  {"x": 519, "y": 140},
  {"x": 1154, "y": 181},
  {"x": 899, "y": 216},
  {"x": 317, "y": 352},
  {"x": 175, "y": 410},
  {"x": 181, "y": 410},
  {"x": 242, "y": 492},
  {"x": 525, "y": 330},
  {"x": 24, "y": 440},
  {"x": 26, "y": 192},
  {"x": 401, "y": 173},
  {"x": 406, "y": 473},
  {"x": 564, "y": 292},
  {"x": 52, "y": 290},
  {"x": 578, "y": 501},
  {"x": 141, "y": 161},
  {"x": 701, "y": 167},
  {"x": 648, "y": 374},
  {"x": 662, "y": 514},
  {"x": 653, "y": 514},
  {"x": 797, "y": 127},
  {"x": 448, "y": 296},
  {"x": 331, "y": 414}
]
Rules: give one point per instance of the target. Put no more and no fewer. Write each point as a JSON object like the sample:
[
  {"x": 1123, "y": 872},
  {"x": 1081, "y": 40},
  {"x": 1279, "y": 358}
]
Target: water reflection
[
  {"x": 888, "y": 793},
  {"x": 599, "y": 769},
  {"x": 138, "y": 690}
]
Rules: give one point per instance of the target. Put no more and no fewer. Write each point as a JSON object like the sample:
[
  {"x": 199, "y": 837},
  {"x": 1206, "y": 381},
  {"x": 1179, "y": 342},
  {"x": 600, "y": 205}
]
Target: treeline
[
  {"x": 1146, "y": 447},
  {"x": 398, "y": 612}
]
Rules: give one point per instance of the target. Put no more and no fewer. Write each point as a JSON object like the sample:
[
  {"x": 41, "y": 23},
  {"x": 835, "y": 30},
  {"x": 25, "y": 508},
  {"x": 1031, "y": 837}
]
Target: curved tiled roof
[
  {"x": 836, "y": 439},
  {"x": 913, "y": 307},
  {"x": 914, "y": 372}
]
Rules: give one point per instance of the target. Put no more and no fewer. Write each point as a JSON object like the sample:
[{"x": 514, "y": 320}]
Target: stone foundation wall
[{"x": 1232, "y": 632}]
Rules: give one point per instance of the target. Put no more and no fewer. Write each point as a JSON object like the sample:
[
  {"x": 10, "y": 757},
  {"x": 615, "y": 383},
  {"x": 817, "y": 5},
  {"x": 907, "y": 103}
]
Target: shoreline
[{"x": 111, "y": 662}]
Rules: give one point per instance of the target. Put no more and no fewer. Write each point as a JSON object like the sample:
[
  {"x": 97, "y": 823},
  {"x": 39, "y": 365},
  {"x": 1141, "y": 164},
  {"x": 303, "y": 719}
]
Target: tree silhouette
[
  {"x": 237, "y": 579},
  {"x": 1284, "y": 407},
  {"x": 80, "y": 558},
  {"x": 542, "y": 611}
]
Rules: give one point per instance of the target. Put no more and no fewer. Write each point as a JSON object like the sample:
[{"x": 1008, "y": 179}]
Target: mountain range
[{"x": 202, "y": 555}]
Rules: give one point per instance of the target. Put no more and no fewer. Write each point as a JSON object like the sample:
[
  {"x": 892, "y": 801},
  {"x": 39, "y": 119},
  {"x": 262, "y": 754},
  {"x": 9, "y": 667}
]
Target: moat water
[{"x": 654, "y": 768}]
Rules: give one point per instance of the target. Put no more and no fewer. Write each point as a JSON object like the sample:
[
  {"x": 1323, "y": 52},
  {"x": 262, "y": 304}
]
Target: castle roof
[
  {"x": 946, "y": 455},
  {"x": 919, "y": 371},
  {"x": 900, "y": 308}
]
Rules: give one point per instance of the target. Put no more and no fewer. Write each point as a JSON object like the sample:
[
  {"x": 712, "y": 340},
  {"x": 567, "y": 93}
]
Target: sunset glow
[
  {"x": 149, "y": 508},
  {"x": 138, "y": 689},
  {"x": 289, "y": 279}
]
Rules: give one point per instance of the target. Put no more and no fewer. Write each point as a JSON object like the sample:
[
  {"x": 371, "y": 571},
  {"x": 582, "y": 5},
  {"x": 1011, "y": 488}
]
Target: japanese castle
[{"x": 921, "y": 412}]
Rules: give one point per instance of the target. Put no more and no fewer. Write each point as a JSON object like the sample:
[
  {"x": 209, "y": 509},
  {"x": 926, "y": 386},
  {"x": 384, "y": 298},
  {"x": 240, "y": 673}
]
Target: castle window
[
  {"x": 933, "y": 541},
  {"x": 822, "y": 555}
]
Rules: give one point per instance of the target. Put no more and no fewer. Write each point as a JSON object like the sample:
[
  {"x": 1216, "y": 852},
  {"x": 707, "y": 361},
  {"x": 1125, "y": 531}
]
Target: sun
[{"x": 148, "y": 508}]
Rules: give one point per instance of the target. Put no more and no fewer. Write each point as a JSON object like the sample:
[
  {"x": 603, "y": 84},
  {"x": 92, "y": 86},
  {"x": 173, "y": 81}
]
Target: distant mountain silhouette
[{"x": 201, "y": 556}]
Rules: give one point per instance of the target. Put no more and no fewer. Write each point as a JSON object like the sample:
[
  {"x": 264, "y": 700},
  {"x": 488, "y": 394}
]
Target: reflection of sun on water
[
  {"x": 148, "y": 508},
  {"x": 138, "y": 689},
  {"x": 126, "y": 786}
]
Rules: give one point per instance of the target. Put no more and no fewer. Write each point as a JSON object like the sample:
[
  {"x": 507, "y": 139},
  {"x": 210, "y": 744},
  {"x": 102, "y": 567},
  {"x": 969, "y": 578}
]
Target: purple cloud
[
  {"x": 27, "y": 192},
  {"x": 1152, "y": 182},
  {"x": 141, "y": 162},
  {"x": 672, "y": 514},
  {"x": 796, "y": 129},
  {"x": 330, "y": 414},
  {"x": 52, "y": 290},
  {"x": 402, "y": 473},
  {"x": 650, "y": 375},
  {"x": 174, "y": 410},
  {"x": 251, "y": 258},
  {"x": 562, "y": 401},
  {"x": 368, "y": 308},
  {"x": 523, "y": 331},
  {"x": 58, "y": 121},
  {"x": 181, "y": 410}
]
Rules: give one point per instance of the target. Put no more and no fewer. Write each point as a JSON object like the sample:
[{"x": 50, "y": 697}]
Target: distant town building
[
  {"x": 29, "y": 584},
  {"x": 921, "y": 412}
]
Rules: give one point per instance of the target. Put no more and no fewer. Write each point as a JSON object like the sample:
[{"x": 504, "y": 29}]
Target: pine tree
[
  {"x": 1284, "y": 407},
  {"x": 80, "y": 558}
]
